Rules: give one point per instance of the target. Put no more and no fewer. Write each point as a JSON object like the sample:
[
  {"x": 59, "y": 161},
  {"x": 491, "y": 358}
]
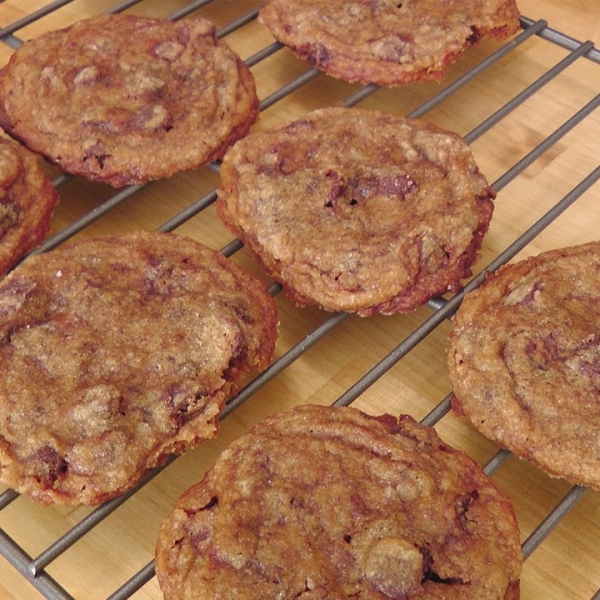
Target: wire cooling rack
[{"x": 37, "y": 568}]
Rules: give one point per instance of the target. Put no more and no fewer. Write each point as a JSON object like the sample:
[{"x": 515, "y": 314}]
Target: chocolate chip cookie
[
  {"x": 124, "y": 99},
  {"x": 386, "y": 42},
  {"x": 27, "y": 203},
  {"x": 524, "y": 360},
  {"x": 117, "y": 352},
  {"x": 330, "y": 503},
  {"x": 356, "y": 210}
]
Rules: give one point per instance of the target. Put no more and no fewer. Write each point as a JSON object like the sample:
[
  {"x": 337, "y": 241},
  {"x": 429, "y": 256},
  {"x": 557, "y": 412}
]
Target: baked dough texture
[
  {"x": 524, "y": 359},
  {"x": 124, "y": 99},
  {"x": 386, "y": 42},
  {"x": 27, "y": 202},
  {"x": 329, "y": 504},
  {"x": 356, "y": 210},
  {"x": 116, "y": 353}
]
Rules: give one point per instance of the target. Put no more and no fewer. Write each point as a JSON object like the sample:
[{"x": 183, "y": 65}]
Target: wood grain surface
[{"x": 566, "y": 563}]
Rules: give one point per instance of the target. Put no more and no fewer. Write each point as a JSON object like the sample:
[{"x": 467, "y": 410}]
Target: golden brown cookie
[
  {"x": 117, "y": 352},
  {"x": 356, "y": 210},
  {"x": 330, "y": 503},
  {"x": 524, "y": 359},
  {"x": 125, "y": 99},
  {"x": 386, "y": 42},
  {"x": 27, "y": 203}
]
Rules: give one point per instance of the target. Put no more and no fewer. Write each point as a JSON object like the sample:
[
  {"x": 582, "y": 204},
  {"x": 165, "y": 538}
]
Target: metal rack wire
[{"x": 34, "y": 568}]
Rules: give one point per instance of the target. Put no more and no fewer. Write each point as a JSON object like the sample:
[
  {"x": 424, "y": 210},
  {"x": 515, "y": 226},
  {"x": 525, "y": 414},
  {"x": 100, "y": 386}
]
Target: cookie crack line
[{"x": 180, "y": 89}]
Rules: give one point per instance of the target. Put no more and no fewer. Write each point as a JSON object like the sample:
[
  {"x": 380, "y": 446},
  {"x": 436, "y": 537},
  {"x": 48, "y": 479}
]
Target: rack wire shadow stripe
[
  {"x": 561, "y": 39},
  {"x": 21, "y": 561},
  {"x": 448, "y": 309},
  {"x": 32, "y": 17}
]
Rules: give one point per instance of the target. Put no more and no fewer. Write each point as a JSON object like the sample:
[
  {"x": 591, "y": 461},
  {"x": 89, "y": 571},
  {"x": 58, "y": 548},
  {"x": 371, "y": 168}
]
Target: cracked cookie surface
[
  {"x": 386, "y": 42},
  {"x": 117, "y": 352},
  {"x": 356, "y": 210},
  {"x": 524, "y": 359},
  {"x": 27, "y": 203},
  {"x": 124, "y": 99},
  {"x": 330, "y": 503}
]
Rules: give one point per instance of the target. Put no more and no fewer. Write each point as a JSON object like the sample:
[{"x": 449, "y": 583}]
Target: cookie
[
  {"x": 117, "y": 352},
  {"x": 386, "y": 42},
  {"x": 27, "y": 203},
  {"x": 330, "y": 503},
  {"x": 358, "y": 211},
  {"x": 124, "y": 99},
  {"x": 524, "y": 359}
]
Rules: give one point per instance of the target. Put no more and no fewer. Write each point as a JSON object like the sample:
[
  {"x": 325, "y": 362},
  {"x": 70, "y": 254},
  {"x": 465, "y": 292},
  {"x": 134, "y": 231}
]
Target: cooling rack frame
[{"x": 34, "y": 568}]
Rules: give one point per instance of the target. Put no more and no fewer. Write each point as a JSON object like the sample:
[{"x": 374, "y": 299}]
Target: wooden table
[{"x": 381, "y": 364}]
